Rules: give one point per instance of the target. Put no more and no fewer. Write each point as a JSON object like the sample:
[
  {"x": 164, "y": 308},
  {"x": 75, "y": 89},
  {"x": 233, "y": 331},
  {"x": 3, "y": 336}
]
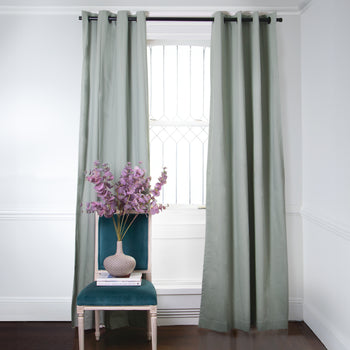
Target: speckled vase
[{"x": 119, "y": 264}]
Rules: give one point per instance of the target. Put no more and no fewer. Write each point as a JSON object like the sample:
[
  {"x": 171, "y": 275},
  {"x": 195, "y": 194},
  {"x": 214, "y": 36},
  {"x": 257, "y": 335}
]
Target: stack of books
[{"x": 105, "y": 279}]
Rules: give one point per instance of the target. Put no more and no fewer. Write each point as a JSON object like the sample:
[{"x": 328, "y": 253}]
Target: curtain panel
[
  {"x": 245, "y": 277},
  {"x": 114, "y": 126}
]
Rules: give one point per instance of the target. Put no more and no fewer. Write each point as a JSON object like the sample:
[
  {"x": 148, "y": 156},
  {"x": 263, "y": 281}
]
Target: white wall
[
  {"x": 326, "y": 170},
  {"x": 40, "y": 68}
]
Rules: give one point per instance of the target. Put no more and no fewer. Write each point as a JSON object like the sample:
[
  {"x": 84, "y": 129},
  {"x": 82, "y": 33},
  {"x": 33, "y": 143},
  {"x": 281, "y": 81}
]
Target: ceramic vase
[{"x": 119, "y": 264}]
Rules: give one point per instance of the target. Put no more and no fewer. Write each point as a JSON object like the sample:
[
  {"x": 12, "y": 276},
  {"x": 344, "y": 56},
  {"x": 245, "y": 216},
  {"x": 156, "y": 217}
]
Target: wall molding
[
  {"x": 293, "y": 210},
  {"x": 328, "y": 224},
  {"x": 59, "y": 215},
  {"x": 34, "y": 300},
  {"x": 18, "y": 215}
]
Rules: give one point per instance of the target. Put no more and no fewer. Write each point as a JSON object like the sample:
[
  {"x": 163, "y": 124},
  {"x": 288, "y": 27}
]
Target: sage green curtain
[
  {"x": 245, "y": 278},
  {"x": 114, "y": 121}
]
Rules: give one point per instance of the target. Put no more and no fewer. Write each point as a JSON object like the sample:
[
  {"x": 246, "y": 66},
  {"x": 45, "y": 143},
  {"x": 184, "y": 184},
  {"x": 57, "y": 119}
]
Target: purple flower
[{"x": 132, "y": 194}]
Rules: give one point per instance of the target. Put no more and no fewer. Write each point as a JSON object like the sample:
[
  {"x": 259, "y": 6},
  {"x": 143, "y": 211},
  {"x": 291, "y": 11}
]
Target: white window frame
[{"x": 190, "y": 219}]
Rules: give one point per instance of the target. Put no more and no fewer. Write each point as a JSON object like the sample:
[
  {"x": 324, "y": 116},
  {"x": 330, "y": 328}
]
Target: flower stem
[
  {"x": 124, "y": 233},
  {"x": 122, "y": 225},
  {"x": 116, "y": 229},
  {"x": 118, "y": 223}
]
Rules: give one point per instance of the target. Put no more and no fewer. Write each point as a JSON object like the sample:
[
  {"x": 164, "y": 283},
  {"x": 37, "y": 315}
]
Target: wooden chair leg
[
  {"x": 80, "y": 312},
  {"x": 149, "y": 326},
  {"x": 154, "y": 327},
  {"x": 97, "y": 325}
]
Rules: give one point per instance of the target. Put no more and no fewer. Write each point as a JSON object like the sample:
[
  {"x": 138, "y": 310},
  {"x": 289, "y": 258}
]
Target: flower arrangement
[{"x": 132, "y": 194}]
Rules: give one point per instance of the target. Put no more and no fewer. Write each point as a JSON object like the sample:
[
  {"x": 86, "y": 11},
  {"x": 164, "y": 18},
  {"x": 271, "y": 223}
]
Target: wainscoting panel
[
  {"x": 175, "y": 307},
  {"x": 35, "y": 309},
  {"x": 38, "y": 252},
  {"x": 326, "y": 279}
]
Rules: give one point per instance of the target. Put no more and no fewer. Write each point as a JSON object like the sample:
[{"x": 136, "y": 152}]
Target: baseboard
[
  {"x": 295, "y": 309},
  {"x": 173, "y": 317},
  {"x": 324, "y": 330}
]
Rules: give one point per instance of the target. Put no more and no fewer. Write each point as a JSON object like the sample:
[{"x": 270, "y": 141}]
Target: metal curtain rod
[{"x": 188, "y": 19}]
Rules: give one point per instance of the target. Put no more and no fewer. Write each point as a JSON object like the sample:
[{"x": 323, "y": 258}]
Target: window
[{"x": 179, "y": 97}]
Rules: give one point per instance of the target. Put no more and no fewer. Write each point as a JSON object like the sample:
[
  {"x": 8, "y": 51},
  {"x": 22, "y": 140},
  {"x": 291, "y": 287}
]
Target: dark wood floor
[{"x": 60, "y": 336}]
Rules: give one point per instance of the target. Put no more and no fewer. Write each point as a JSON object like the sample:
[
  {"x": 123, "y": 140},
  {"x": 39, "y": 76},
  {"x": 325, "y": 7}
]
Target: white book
[
  {"x": 102, "y": 283},
  {"x": 105, "y": 279}
]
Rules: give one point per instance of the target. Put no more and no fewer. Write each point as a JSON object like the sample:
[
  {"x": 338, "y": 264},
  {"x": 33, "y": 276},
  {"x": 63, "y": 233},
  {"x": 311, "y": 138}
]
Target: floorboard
[{"x": 60, "y": 336}]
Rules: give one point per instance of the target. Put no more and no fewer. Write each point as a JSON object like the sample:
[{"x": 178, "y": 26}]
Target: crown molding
[
  {"x": 151, "y": 10},
  {"x": 304, "y": 5}
]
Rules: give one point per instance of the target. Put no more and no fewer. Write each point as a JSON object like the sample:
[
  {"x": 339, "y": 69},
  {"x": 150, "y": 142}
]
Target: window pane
[
  {"x": 184, "y": 83},
  {"x": 156, "y": 79},
  {"x": 170, "y": 82},
  {"x": 179, "y": 110}
]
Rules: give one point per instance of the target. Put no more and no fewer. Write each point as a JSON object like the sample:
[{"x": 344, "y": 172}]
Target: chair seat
[{"x": 118, "y": 295}]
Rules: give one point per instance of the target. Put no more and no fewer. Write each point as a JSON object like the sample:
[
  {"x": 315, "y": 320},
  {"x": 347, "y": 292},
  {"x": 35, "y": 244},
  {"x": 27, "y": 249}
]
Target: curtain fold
[
  {"x": 113, "y": 125},
  {"x": 245, "y": 277}
]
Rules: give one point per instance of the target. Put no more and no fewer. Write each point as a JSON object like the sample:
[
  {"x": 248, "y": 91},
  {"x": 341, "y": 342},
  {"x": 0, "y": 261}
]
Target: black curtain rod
[{"x": 188, "y": 19}]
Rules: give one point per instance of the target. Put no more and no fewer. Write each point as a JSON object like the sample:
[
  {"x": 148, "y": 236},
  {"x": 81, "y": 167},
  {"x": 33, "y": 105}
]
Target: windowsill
[
  {"x": 179, "y": 207},
  {"x": 176, "y": 287}
]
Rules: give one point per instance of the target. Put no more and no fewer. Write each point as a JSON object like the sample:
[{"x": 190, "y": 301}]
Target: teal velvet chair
[{"x": 98, "y": 298}]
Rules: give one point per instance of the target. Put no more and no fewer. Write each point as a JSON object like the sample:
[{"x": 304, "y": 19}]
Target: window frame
[{"x": 195, "y": 127}]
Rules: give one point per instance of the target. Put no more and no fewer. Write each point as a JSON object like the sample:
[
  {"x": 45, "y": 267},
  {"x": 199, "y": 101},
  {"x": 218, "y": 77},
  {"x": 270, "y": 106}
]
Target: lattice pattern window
[{"x": 179, "y": 113}]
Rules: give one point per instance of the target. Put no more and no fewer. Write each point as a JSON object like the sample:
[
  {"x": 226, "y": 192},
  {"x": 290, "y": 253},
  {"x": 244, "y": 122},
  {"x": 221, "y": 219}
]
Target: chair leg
[
  {"x": 80, "y": 312},
  {"x": 149, "y": 326},
  {"x": 154, "y": 327},
  {"x": 97, "y": 325}
]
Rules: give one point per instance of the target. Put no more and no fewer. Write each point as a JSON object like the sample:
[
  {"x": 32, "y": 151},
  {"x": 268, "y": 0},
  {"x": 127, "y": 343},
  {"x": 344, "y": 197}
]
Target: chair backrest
[{"x": 137, "y": 241}]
